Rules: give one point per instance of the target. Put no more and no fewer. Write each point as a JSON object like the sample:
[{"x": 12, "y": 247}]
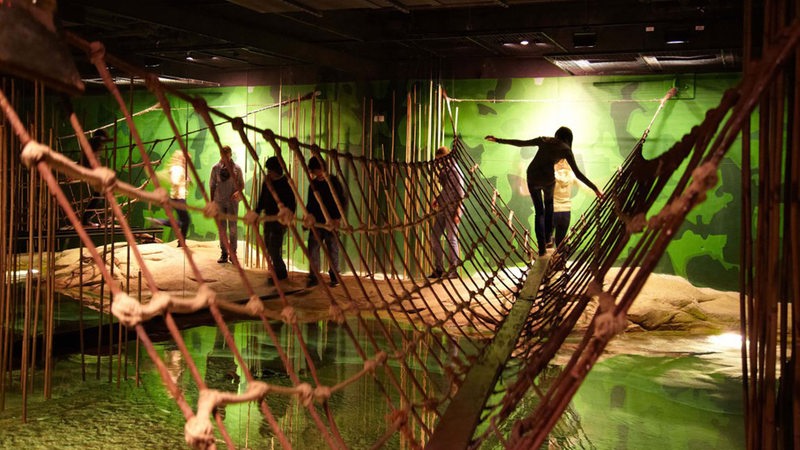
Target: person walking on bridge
[
  {"x": 541, "y": 177},
  {"x": 275, "y": 192},
  {"x": 227, "y": 187},
  {"x": 448, "y": 213},
  {"x": 329, "y": 237}
]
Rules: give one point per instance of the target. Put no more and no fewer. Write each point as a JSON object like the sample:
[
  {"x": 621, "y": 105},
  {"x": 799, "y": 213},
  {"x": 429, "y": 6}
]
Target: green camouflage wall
[{"x": 606, "y": 114}]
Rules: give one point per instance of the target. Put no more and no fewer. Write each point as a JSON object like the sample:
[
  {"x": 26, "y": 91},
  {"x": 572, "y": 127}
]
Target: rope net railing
[
  {"x": 416, "y": 338},
  {"x": 624, "y": 231},
  {"x": 423, "y": 333}
]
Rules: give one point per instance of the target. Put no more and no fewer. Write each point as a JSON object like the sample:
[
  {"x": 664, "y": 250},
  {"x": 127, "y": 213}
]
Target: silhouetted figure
[
  {"x": 319, "y": 185},
  {"x": 275, "y": 192},
  {"x": 541, "y": 177}
]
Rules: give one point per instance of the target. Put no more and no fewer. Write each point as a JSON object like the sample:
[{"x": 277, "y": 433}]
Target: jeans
[
  {"x": 331, "y": 242},
  {"x": 228, "y": 227},
  {"x": 444, "y": 224},
  {"x": 542, "y": 197},
  {"x": 273, "y": 238}
]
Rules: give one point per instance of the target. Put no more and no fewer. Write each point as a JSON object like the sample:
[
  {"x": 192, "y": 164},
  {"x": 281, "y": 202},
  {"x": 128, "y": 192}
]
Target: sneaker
[
  {"x": 334, "y": 282},
  {"x": 223, "y": 259},
  {"x": 436, "y": 274},
  {"x": 312, "y": 281}
]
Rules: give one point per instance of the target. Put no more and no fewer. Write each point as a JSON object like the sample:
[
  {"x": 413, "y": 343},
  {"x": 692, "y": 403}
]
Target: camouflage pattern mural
[{"x": 606, "y": 114}]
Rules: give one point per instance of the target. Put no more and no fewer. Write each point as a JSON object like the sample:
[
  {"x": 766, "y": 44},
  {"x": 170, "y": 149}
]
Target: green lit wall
[{"x": 606, "y": 114}]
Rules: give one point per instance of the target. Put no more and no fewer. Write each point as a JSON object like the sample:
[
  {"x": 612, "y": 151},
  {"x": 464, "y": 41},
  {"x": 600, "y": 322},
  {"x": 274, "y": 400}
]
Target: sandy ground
[
  {"x": 169, "y": 267},
  {"x": 666, "y": 303}
]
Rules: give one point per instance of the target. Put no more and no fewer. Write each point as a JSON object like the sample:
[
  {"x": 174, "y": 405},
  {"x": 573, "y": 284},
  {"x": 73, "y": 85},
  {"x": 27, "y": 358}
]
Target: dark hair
[
  {"x": 316, "y": 162},
  {"x": 98, "y": 138},
  {"x": 273, "y": 165},
  {"x": 564, "y": 134}
]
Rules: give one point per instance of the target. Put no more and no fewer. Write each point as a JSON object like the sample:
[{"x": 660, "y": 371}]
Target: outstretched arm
[
  {"x": 515, "y": 142},
  {"x": 579, "y": 175}
]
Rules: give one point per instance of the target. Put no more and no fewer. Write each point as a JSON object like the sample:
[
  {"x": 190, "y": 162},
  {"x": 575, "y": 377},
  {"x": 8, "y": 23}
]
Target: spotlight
[{"x": 675, "y": 37}]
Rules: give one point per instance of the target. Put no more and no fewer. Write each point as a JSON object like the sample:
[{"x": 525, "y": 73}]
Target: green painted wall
[{"x": 606, "y": 114}]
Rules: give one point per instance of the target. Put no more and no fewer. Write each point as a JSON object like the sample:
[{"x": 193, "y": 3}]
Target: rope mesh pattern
[{"x": 444, "y": 343}]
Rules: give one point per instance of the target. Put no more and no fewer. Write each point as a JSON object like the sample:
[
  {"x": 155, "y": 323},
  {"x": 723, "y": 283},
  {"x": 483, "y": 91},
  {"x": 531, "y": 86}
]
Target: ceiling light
[
  {"x": 523, "y": 42},
  {"x": 649, "y": 28},
  {"x": 674, "y": 37}
]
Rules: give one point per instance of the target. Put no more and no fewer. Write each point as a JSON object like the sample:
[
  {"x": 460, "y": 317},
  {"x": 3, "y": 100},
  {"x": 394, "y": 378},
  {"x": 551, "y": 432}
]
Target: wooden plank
[{"x": 462, "y": 416}]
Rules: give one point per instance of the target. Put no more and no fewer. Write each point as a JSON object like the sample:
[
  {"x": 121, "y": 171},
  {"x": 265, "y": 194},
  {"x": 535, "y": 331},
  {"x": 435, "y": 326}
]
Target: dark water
[{"x": 639, "y": 398}]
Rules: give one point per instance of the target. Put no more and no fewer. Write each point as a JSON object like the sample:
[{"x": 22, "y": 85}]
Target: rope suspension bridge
[{"x": 480, "y": 341}]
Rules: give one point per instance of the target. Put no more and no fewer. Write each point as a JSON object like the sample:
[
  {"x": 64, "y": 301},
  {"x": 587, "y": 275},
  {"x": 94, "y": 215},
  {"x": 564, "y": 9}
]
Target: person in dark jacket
[
  {"x": 542, "y": 179},
  {"x": 320, "y": 187},
  {"x": 275, "y": 193}
]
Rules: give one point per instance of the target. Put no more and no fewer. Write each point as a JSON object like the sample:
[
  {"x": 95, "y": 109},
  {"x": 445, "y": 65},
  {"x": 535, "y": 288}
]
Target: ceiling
[{"x": 302, "y": 41}]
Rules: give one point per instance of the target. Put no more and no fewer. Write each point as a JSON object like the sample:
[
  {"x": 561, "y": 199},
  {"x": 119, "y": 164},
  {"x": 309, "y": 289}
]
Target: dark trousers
[
  {"x": 444, "y": 225},
  {"x": 273, "y": 238},
  {"x": 561, "y": 224},
  {"x": 331, "y": 243},
  {"x": 228, "y": 227},
  {"x": 542, "y": 197},
  {"x": 183, "y": 216}
]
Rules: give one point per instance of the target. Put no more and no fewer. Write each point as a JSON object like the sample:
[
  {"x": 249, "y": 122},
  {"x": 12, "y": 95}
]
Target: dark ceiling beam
[
  {"x": 301, "y": 7},
  {"x": 448, "y": 22},
  {"x": 218, "y": 27}
]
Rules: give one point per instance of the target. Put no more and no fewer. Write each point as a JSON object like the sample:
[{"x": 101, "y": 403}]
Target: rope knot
[
  {"x": 33, "y": 153},
  {"x": 251, "y": 218},
  {"x": 254, "y": 305},
  {"x": 237, "y": 124},
  {"x": 211, "y": 210},
  {"x": 607, "y": 324},
  {"x": 305, "y": 394},
  {"x": 285, "y": 216},
  {"x": 289, "y": 315},
  {"x": 636, "y": 223},
  {"x": 268, "y": 134},
  {"x": 205, "y": 295},
  {"x": 108, "y": 178},
  {"x": 199, "y": 433},
  {"x": 127, "y": 310},
  {"x": 309, "y": 221},
  {"x": 322, "y": 393},
  {"x": 371, "y": 364}
]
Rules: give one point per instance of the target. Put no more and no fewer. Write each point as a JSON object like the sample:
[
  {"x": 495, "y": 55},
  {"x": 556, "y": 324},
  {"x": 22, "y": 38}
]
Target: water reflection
[{"x": 686, "y": 397}]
